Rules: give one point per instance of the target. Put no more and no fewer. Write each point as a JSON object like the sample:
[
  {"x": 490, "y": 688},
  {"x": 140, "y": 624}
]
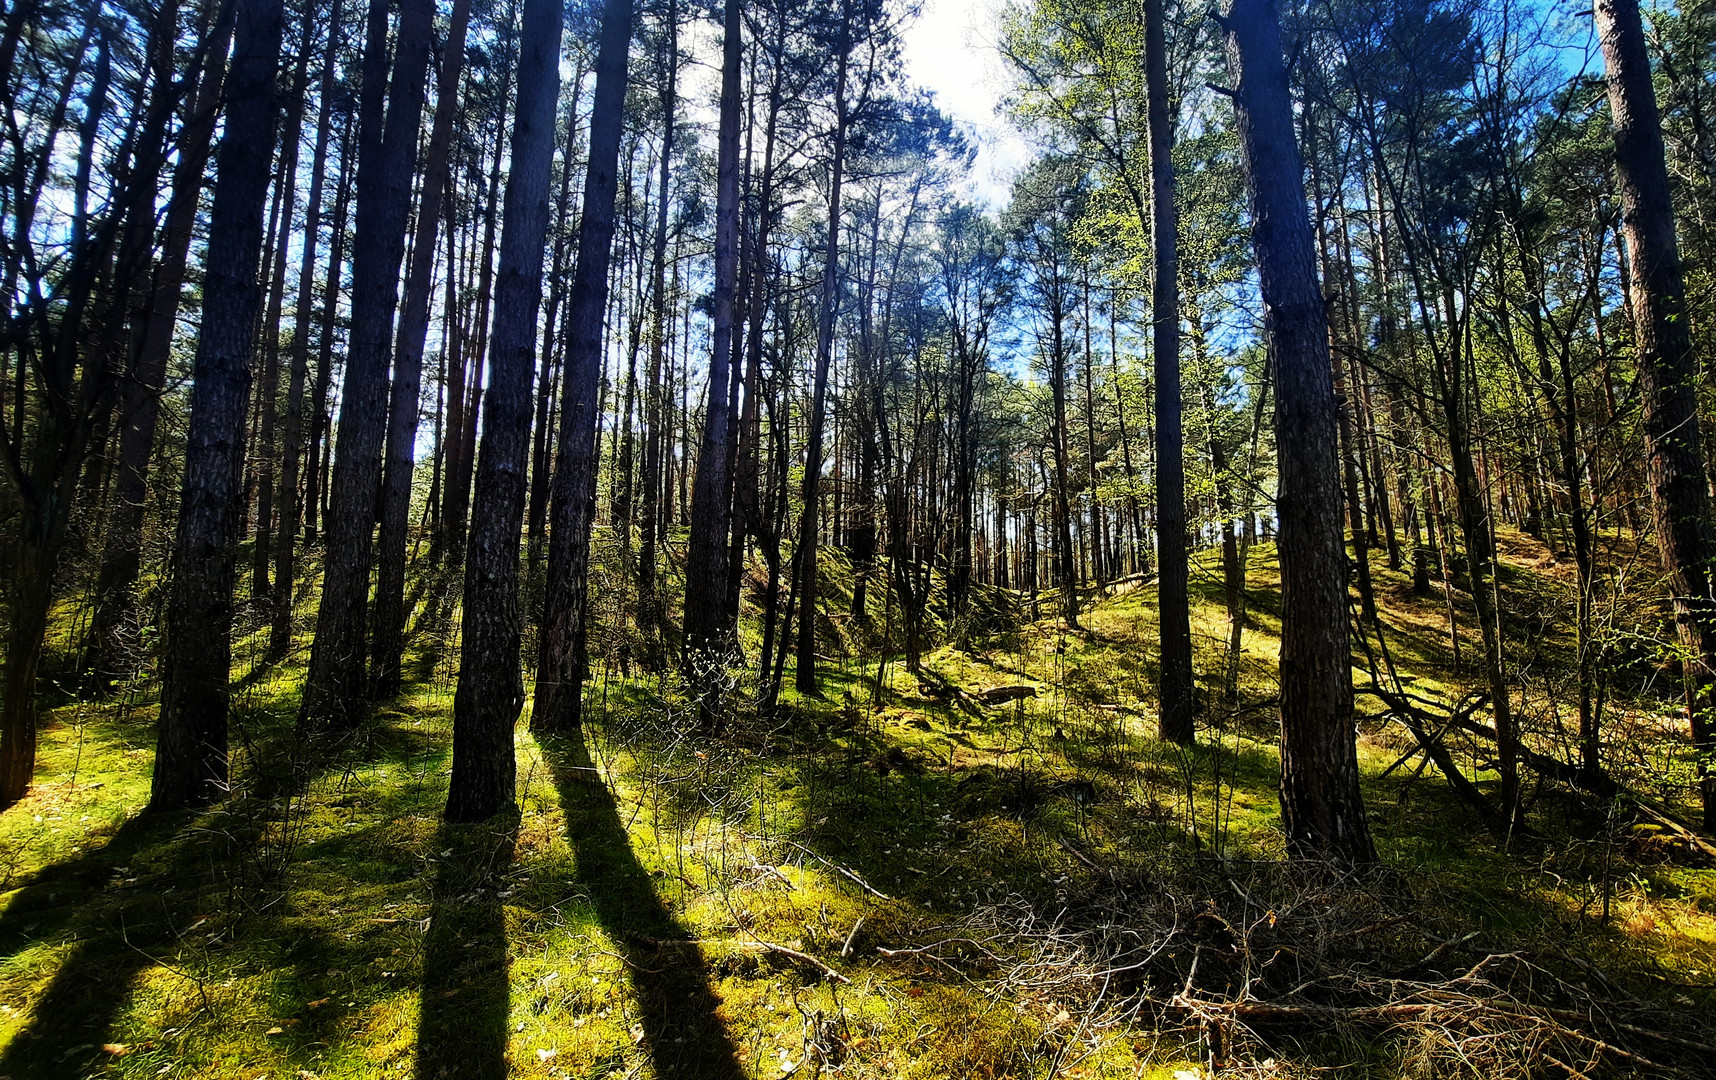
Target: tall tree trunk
[
  {"x": 1176, "y": 721},
  {"x": 541, "y": 452},
  {"x": 1321, "y": 808},
  {"x": 68, "y": 353},
  {"x": 707, "y": 634},
  {"x": 491, "y": 686},
  {"x": 387, "y": 643},
  {"x": 463, "y": 463},
  {"x": 650, "y": 608},
  {"x": 321, "y": 423},
  {"x": 268, "y": 394},
  {"x": 451, "y": 536},
  {"x": 140, "y": 398},
  {"x": 805, "y": 655},
  {"x": 335, "y": 692},
  {"x": 748, "y": 511},
  {"x": 562, "y": 666},
  {"x": 1668, "y": 372},
  {"x": 1066, "y": 569},
  {"x": 291, "y": 505},
  {"x": 190, "y": 757}
]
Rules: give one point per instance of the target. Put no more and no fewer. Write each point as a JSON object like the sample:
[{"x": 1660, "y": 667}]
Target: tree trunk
[
  {"x": 491, "y": 686},
  {"x": 140, "y": 400},
  {"x": 321, "y": 434},
  {"x": 388, "y": 631},
  {"x": 554, "y": 347},
  {"x": 291, "y": 506},
  {"x": 475, "y": 343},
  {"x": 1668, "y": 372},
  {"x": 562, "y": 665},
  {"x": 268, "y": 394},
  {"x": 805, "y": 655},
  {"x": 190, "y": 757},
  {"x": 1178, "y": 704},
  {"x": 335, "y": 692},
  {"x": 1321, "y": 808},
  {"x": 707, "y": 634},
  {"x": 650, "y": 614}
]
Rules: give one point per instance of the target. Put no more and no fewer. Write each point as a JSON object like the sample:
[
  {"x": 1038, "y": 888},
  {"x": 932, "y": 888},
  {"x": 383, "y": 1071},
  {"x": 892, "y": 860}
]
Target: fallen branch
[
  {"x": 1247, "y": 1012},
  {"x": 1679, "y": 830},
  {"x": 769, "y": 946},
  {"x": 730, "y": 943},
  {"x": 836, "y": 867}
]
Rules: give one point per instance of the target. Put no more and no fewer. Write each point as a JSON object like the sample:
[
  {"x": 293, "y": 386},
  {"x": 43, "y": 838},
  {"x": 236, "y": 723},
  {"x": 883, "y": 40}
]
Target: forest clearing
[{"x": 625, "y": 538}]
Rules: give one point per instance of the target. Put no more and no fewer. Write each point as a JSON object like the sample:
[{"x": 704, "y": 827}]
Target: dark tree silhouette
[
  {"x": 1172, "y": 561},
  {"x": 190, "y": 755}
]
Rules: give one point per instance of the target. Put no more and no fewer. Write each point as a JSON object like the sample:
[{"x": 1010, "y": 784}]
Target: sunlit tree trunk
[
  {"x": 805, "y": 654},
  {"x": 388, "y": 634},
  {"x": 491, "y": 686},
  {"x": 140, "y": 399},
  {"x": 706, "y": 631},
  {"x": 1321, "y": 808},
  {"x": 291, "y": 505},
  {"x": 336, "y": 690},
  {"x": 1668, "y": 372},
  {"x": 562, "y": 665},
  {"x": 190, "y": 756}
]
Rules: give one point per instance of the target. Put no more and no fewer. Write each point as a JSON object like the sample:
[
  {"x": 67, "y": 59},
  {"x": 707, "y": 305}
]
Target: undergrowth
[{"x": 984, "y": 868}]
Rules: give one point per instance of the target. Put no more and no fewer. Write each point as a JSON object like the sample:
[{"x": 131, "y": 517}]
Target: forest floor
[{"x": 900, "y": 880}]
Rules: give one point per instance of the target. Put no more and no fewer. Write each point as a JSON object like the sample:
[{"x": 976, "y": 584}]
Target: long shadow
[
  {"x": 466, "y": 991},
  {"x": 683, "y": 1032},
  {"x": 129, "y": 904},
  {"x": 66, "y": 1027}
]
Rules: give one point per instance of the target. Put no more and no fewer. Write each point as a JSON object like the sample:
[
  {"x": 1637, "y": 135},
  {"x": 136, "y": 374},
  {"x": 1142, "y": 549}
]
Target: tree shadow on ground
[
  {"x": 466, "y": 991},
  {"x": 678, "y": 1006},
  {"x": 164, "y": 891},
  {"x": 68, "y": 1023}
]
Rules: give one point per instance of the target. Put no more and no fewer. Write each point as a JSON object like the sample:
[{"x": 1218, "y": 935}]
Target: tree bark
[
  {"x": 650, "y": 615},
  {"x": 335, "y": 692},
  {"x": 387, "y": 634},
  {"x": 291, "y": 505},
  {"x": 491, "y": 686},
  {"x": 321, "y": 440},
  {"x": 707, "y": 634},
  {"x": 562, "y": 665},
  {"x": 1176, "y": 721},
  {"x": 1668, "y": 372},
  {"x": 140, "y": 398},
  {"x": 1321, "y": 808},
  {"x": 191, "y": 756},
  {"x": 804, "y": 676}
]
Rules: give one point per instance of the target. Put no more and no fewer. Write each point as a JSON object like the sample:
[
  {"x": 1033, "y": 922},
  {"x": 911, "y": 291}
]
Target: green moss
[{"x": 651, "y": 909}]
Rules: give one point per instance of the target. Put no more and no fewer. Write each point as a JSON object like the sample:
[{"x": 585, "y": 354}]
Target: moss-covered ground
[{"x": 896, "y": 880}]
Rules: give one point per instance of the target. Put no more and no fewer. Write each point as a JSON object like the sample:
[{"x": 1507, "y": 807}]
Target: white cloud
[{"x": 950, "y": 50}]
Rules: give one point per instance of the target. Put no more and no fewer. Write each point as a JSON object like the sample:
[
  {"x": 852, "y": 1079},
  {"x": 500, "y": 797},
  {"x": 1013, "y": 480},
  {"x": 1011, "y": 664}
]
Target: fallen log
[{"x": 1001, "y": 695}]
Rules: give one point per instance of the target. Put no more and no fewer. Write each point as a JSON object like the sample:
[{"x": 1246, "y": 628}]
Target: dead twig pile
[{"x": 1258, "y": 962}]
